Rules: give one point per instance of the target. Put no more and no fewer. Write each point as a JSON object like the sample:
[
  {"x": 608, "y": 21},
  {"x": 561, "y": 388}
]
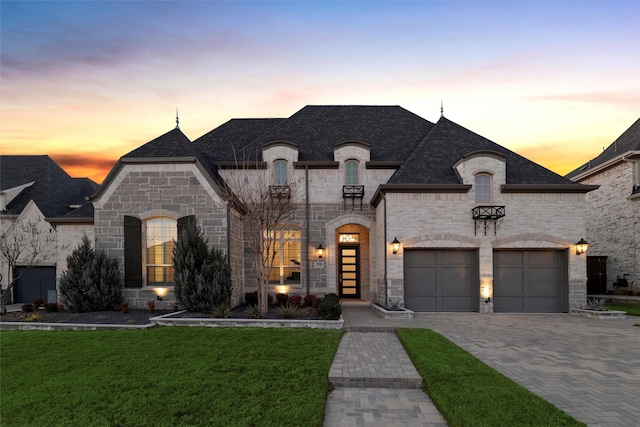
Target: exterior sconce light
[
  {"x": 320, "y": 250},
  {"x": 486, "y": 294},
  {"x": 581, "y": 247},
  {"x": 395, "y": 245},
  {"x": 160, "y": 292}
]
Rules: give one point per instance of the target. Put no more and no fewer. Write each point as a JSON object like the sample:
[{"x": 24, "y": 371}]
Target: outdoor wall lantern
[
  {"x": 320, "y": 250},
  {"x": 486, "y": 294},
  {"x": 160, "y": 292},
  {"x": 581, "y": 247},
  {"x": 395, "y": 245}
]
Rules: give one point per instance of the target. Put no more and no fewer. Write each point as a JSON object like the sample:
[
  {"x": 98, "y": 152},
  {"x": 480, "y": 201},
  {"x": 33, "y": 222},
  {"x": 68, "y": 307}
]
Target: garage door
[
  {"x": 530, "y": 281},
  {"x": 441, "y": 280},
  {"x": 33, "y": 283}
]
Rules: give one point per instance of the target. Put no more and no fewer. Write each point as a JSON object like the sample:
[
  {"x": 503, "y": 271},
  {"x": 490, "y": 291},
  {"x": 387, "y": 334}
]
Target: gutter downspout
[
  {"x": 307, "y": 214},
  {"x": 384, "y": 207}
]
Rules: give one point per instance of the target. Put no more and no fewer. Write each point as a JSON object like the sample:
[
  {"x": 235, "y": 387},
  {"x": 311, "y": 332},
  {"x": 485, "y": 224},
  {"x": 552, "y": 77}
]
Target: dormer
[
  {"x": 275, "y": 150},
  {"x": 356, "y": 150},
  {"x": 483, "y": 162}
]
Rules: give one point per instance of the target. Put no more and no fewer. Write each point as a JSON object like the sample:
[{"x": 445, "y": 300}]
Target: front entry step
[{"x": 373, "y": 359}]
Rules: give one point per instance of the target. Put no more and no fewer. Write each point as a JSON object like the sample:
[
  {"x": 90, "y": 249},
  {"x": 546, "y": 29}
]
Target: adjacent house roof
[
  {"x": 44, "y": 182},
  {"x": 432, "y": 162},
  {"x": 627, "y": 142}
]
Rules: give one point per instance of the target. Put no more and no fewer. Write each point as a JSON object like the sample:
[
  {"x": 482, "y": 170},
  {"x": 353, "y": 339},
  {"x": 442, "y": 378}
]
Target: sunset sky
[{"x": 87, "y": 82}]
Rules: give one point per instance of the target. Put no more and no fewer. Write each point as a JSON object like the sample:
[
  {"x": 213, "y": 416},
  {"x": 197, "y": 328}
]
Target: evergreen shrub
[
  {"x": 91, "y": 281},
  {"x": 202, "y": 275}
]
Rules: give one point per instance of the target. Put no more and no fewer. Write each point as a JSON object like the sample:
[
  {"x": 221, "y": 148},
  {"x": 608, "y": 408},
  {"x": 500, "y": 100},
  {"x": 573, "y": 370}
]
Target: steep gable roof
[
  {"x": 433, "y": 159},
  {"x": 173, "y": 146},
  {"x": 53, "y": 190},
  {"x": 628, "y": 141}
]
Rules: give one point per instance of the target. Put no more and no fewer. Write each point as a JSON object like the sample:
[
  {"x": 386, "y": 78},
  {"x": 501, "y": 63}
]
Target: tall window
[
  {"x": 161, "y": 234},
  {"x": 280, "y": 172},
  {"x": 483, "y": 188},
  {"x": 286, "y": 265},
  {"x": 351, "y": 172}
]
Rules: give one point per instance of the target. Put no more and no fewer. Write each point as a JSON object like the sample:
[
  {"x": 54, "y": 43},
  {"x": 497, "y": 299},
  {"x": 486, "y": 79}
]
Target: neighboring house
[
  {"x": 476, "y": 226},
  {"x": 613, "y": 214},
  {"x": 35, "y": 190}
]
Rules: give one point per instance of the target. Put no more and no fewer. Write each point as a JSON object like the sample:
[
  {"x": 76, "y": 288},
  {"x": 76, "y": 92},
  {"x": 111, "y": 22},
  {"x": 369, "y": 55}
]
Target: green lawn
[
  {"x": 469, "y": 393},
  {"x": 166, "y": 377},
  {"x": 632, "y": 309}
]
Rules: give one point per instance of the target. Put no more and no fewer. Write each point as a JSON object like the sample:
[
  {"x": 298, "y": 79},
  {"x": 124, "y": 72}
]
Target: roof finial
[
  {"x": 441, "y": 109},
  {"x": 177, "y": 120}
]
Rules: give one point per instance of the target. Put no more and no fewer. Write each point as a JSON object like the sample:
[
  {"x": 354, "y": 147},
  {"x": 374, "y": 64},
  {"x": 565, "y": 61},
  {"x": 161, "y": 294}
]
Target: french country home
[{"x": 389, "y": 207}]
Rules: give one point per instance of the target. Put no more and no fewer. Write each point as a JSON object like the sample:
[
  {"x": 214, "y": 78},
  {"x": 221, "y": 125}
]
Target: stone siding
[
  {"x": 613, "y": 222},
  {"x": 147, "y": 191}
]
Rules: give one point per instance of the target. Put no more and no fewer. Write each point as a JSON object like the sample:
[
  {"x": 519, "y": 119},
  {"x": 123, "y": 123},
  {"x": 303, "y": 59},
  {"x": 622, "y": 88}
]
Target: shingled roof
[
  {"x": 433, "y": 159},
  {"x": 391, "y": 131},
  {"x": 53, "y": 190},
  {"x": 628, "y": 141},
  {"x": 226, "y": 142}
]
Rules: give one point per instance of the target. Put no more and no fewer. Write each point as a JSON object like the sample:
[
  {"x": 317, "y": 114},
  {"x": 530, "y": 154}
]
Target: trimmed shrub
[
  {"x": 295, "y": 300},
  {"x": 251, "y": 298},
  {"x": 311, "y": 300},
  {"x": 329, "y": 307},
  {"x": 91, "y": 281},
  {"x": 282, "y": 298},
  {"x": 202, "y": 275}
]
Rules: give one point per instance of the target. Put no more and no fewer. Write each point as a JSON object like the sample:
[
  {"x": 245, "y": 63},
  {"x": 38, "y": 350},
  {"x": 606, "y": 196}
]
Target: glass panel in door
[{"x": 349, "y": 274}]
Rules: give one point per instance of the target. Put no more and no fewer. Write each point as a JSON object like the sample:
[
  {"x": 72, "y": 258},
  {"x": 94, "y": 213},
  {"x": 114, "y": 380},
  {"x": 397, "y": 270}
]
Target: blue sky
[{"x": 86, "y": 82}]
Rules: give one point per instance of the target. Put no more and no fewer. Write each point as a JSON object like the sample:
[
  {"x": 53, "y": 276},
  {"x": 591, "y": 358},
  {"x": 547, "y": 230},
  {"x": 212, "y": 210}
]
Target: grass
[
  {"x": 469, "y": 393},
  {"x": 166, "y": 377},
  {"x": 632, "y": 309}
]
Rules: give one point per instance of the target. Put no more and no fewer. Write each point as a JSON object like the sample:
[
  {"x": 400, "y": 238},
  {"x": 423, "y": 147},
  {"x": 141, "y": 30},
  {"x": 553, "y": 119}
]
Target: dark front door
[
  {"x": 596, "y": 274},
  {"x": 349, "y": 271}
]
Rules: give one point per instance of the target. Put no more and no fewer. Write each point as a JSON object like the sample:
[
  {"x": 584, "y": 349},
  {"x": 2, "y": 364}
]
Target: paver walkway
[
  {"x": 587, "y": 367},
  {"x": 375, "y": 384}
]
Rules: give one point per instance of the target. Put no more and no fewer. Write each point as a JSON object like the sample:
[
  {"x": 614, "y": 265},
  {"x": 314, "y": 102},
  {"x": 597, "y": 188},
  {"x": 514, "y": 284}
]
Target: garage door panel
[
  {"x": 456, "y": 281},
  {"x": 34, "y": 283},
  {"x": 421, "y": 303},
  {"x": 537, "y": 284},
  {"x": 441, "y": 280},
  {"x": 457, "y": 304},
  {"x": 544, "y": 304},
  {"x": 420, "y": 281}
]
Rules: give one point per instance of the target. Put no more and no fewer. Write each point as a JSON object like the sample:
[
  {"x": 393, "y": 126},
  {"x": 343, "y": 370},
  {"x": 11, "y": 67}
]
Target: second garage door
[
  {"x": 530, "y": 281},
  {"x": 441, "y": 280}
]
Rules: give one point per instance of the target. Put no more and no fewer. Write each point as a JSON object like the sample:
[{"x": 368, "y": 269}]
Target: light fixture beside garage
[
  {"x": 395, "y": 245},
  {"x": 486, "y": 291},
  {"x": 581, "y": 247}
]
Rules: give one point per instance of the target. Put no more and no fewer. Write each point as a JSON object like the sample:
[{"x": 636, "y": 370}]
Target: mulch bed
[{"x": 134, "y": 316}]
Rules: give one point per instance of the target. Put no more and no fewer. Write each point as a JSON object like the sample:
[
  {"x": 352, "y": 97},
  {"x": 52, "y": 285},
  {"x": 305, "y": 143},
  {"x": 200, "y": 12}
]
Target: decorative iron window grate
[
  {"x": 280, "y": 191},
  {"x": 352, "y": 192},
  {"x": 486, "y": 215}
]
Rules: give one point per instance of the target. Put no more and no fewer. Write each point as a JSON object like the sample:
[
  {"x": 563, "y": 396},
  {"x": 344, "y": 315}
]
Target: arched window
[
  {"x": 286, "y": 264},
  {"x": 351, "y": 172},
  {"x": 483, "y": 188},
  {"x": 160, "y": 236},
  {"x": 280, "y": 172}
]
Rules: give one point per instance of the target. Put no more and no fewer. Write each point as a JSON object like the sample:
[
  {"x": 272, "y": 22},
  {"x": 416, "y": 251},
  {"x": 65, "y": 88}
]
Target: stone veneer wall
[
  {"x": 532, "y": 221},
  {"x": 613, "y": 222},
  {"x": 146, "y": 191}
]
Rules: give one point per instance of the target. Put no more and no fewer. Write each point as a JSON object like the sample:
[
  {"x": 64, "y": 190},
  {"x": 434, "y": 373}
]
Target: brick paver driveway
[{"x": 588, "y": 367}]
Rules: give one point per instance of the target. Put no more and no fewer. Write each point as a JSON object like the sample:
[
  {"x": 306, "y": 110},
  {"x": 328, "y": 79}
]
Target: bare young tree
[
  {"x": 266, "y": 209},
  {"x": 24, "y": 243}
]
